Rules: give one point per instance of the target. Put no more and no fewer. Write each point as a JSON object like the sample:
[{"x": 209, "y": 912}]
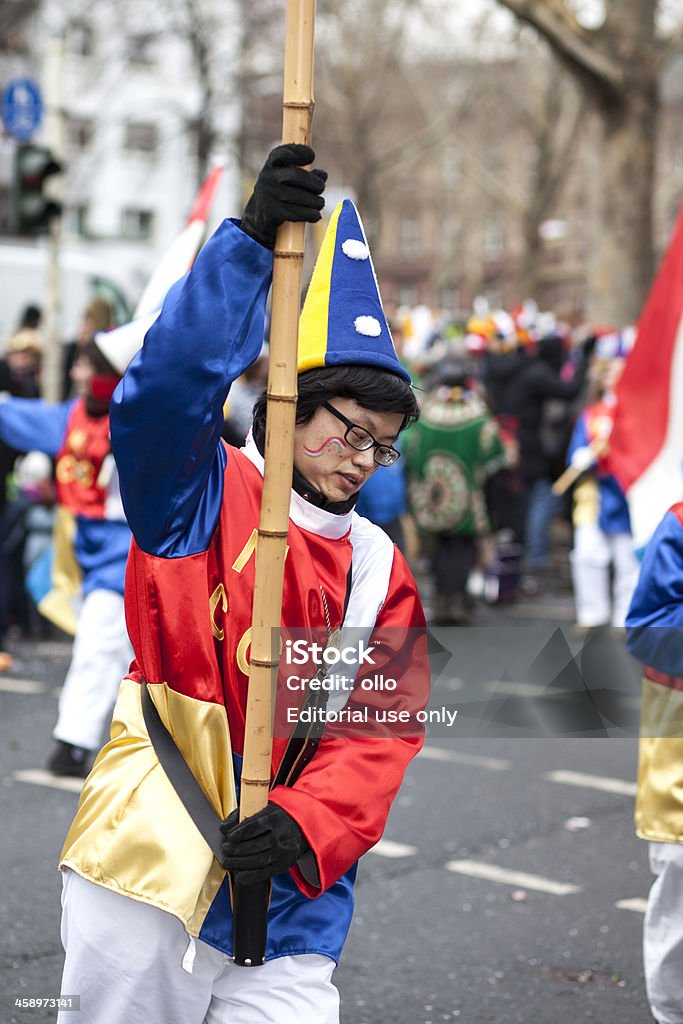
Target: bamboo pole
[{"x": 280, "y": 421}]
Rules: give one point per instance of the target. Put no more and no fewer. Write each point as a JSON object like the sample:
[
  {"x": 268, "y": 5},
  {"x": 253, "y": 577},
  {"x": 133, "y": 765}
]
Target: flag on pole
[
  {"x": 646, "y": 444},
  {"x": 120, "y": 345}
]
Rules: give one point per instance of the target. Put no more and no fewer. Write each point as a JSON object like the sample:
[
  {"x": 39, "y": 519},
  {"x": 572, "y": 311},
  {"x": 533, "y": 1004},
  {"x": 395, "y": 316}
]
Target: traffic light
[{"x": 32, "y": 209}]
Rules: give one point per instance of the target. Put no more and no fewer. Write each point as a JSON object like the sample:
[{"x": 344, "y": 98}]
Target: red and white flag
[
  {"x": 646, "y": 444},
  {"x": 120, "y": 345}
]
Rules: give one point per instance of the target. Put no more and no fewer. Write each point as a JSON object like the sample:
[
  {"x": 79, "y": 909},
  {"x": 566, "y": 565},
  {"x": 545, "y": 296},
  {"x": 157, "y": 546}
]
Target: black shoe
[{"x": 69, "y": 760}]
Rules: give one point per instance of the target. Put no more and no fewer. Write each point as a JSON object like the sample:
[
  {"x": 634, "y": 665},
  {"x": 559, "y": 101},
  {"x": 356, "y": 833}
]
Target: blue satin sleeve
[
  {"x": 30, "y": 424},
  {"x": 167, "y": 412},
  {"x": 655, "y": 619},
  {"x": 579, "y": 438}
]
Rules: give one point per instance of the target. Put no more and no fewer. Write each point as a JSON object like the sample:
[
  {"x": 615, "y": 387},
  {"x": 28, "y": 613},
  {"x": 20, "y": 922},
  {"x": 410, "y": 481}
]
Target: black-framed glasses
[{"x": 361, "y": 439}]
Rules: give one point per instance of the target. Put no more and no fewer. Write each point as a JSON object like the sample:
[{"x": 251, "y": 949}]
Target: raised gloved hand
[
  {"x": 583, "y": 458},
  {"x": 266, "y": 844},
  {"x": 284, "y": 191}
]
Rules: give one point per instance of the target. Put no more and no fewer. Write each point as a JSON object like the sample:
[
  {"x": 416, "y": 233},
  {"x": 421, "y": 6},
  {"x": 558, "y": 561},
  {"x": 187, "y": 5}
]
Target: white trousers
[
  {"x": 101, "y": 656},
  {"x": 594, "y": 552},
  {"x": 663, "y": 934},
  {"x": 130, "y": 962}
]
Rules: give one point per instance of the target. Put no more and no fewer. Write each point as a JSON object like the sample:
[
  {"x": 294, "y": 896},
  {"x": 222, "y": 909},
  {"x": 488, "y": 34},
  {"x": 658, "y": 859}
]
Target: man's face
[{"x": 324, "y": 458}]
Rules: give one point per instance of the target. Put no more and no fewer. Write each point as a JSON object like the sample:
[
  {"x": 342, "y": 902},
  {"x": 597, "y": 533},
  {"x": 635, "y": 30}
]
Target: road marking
[
  {"x": 494, "y": 873},
  {"x": 388, "y": 848},
  {"x": 636, "y": 904},
  {"x": 507, "y": 686},
  {"x": 494, "y": 764},
  {"x": 602, "y": 782},
  {"x": 558, "y": 612},
  {"x": 8, "y": 684},
  {"x": 38, "y": 777}
]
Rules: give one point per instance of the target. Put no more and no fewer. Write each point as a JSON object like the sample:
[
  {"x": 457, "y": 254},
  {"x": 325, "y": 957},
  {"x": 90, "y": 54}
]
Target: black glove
[
  {"x": 284, "y": 191},
  {"x": 266, "y": 844}
]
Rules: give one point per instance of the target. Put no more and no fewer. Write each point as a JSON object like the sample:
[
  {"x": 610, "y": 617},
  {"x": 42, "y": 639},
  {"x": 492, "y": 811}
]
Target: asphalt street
[{"x": 509, "y": 885}]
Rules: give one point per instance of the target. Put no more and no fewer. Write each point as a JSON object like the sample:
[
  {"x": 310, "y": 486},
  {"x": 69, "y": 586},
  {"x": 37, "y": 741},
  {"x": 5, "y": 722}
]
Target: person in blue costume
[
  {"x": 91, "y": 544},
  {"x": 655, "y": 637}
]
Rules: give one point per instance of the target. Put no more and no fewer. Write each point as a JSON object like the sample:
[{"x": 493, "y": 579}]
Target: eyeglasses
[{"x": 361, "y": 439}]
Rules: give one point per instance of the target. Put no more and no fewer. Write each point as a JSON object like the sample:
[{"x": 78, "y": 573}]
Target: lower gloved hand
[
  {"x": 284, "y": 191},
  {"x": 266, "y": 844}
]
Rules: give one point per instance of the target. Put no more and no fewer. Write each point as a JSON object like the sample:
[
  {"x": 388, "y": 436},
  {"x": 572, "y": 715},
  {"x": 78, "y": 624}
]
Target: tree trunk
[{"x": 620, "y": 262}]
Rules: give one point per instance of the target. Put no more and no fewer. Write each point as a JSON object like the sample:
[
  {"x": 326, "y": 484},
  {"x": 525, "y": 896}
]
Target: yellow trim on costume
[
  {"x": 659, "y": 801},
  {"x": 586, "y": 509},
  {"x": 131, "y": 832},
  {"x": 60, "y": 603},
  {"x": 315, "y": 314}
]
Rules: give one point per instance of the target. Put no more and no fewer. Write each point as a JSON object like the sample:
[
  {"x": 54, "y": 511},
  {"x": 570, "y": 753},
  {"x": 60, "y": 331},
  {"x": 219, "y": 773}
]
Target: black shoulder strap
[
  {"x": 180, "y": 776},
  {"x": 306, "y": 738}
]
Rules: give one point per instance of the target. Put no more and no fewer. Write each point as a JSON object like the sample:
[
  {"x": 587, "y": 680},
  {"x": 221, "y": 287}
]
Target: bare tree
[{"x": 618, "y": 66}]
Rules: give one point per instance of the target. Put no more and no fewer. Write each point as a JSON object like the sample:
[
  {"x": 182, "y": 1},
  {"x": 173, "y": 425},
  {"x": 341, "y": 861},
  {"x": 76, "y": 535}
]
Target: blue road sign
[{"x": 22, "y": 108}]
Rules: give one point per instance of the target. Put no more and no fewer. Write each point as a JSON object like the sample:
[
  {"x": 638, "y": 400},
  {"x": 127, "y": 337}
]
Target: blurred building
[
  {"x": 142, "y": 117},
  {"x": 474, "y": 176}
]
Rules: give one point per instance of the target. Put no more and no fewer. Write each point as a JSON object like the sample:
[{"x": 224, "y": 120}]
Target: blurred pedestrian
[
  {"x": 19, "y": 377},
  {"x": 543, "y": 437},
  {"x": 98, "y": 316},
  {"x": 91, "y": 547},
  {"x": 384, "y": 501},
  {"x": 604, "y": 566},
  {"x": 655, "y": 637},
  {"x": 450, "y": 453}
]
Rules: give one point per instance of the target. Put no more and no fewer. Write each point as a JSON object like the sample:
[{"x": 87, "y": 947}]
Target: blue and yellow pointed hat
[{"x": 343, "y": 320}]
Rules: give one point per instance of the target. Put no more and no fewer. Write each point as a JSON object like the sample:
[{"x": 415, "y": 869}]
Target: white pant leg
[
  {"x": 101, "y": 656},
  {"x": 289, "y": 990},
  {"x": 626, "y": 571},
  {"x": 590, "y": 561},
  {"x": 124, "y": 959},
  {"x": 663, "y": 934}
]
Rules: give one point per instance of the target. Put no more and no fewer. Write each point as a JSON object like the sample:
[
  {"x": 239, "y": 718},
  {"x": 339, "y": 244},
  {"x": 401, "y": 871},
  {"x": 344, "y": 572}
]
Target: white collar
[{"x": 301, "y": 512}]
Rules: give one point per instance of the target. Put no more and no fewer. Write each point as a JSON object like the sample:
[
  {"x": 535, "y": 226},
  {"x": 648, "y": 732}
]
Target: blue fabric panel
[
  {"x": 614, "y": 515},
  {"x": 382, "y": 497},
  {"x": 30, "y": 424},
  {"x": 101, "y": 549},
  {"x": 296, "y": 924},
  {"x": 167, "y": 412},
  {"x": 655, "y": 619}
]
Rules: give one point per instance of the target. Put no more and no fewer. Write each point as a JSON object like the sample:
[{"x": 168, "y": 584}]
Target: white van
[{"x": 84, "y": 275}]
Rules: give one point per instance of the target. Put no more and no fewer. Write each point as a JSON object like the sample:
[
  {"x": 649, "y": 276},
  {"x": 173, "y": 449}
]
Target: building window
[
  {"x": 494, "y": 240},
  {"x": 81, "y": 39},
  {"x": 452, "y": 166},
  {"x": 137, "y": 223},
  {"x": 141, "y": 48},
  {"x": 77, "y": 220},
  {"x": 677, "y": 159},
  {"x": 141, "y": 137},
  {"x": 409, "y": 237},
  {"x": 80, "y": 132}
]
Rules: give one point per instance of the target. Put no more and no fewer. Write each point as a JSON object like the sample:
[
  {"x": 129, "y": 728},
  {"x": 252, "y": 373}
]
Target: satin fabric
[
  {"x": 131, "y": 832},
  {"x": 655, "y": 637}
]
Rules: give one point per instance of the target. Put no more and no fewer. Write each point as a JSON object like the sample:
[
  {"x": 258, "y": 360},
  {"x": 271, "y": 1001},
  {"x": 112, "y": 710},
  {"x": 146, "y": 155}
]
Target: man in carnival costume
[
  {"x": 147, "y": 915},
  {"x": 655, "y": 637},
  {"x": 91, "y": 543}
]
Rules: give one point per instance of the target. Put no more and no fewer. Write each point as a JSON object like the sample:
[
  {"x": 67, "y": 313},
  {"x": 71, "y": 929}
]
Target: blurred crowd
[{"x": 511, "y": 451}]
